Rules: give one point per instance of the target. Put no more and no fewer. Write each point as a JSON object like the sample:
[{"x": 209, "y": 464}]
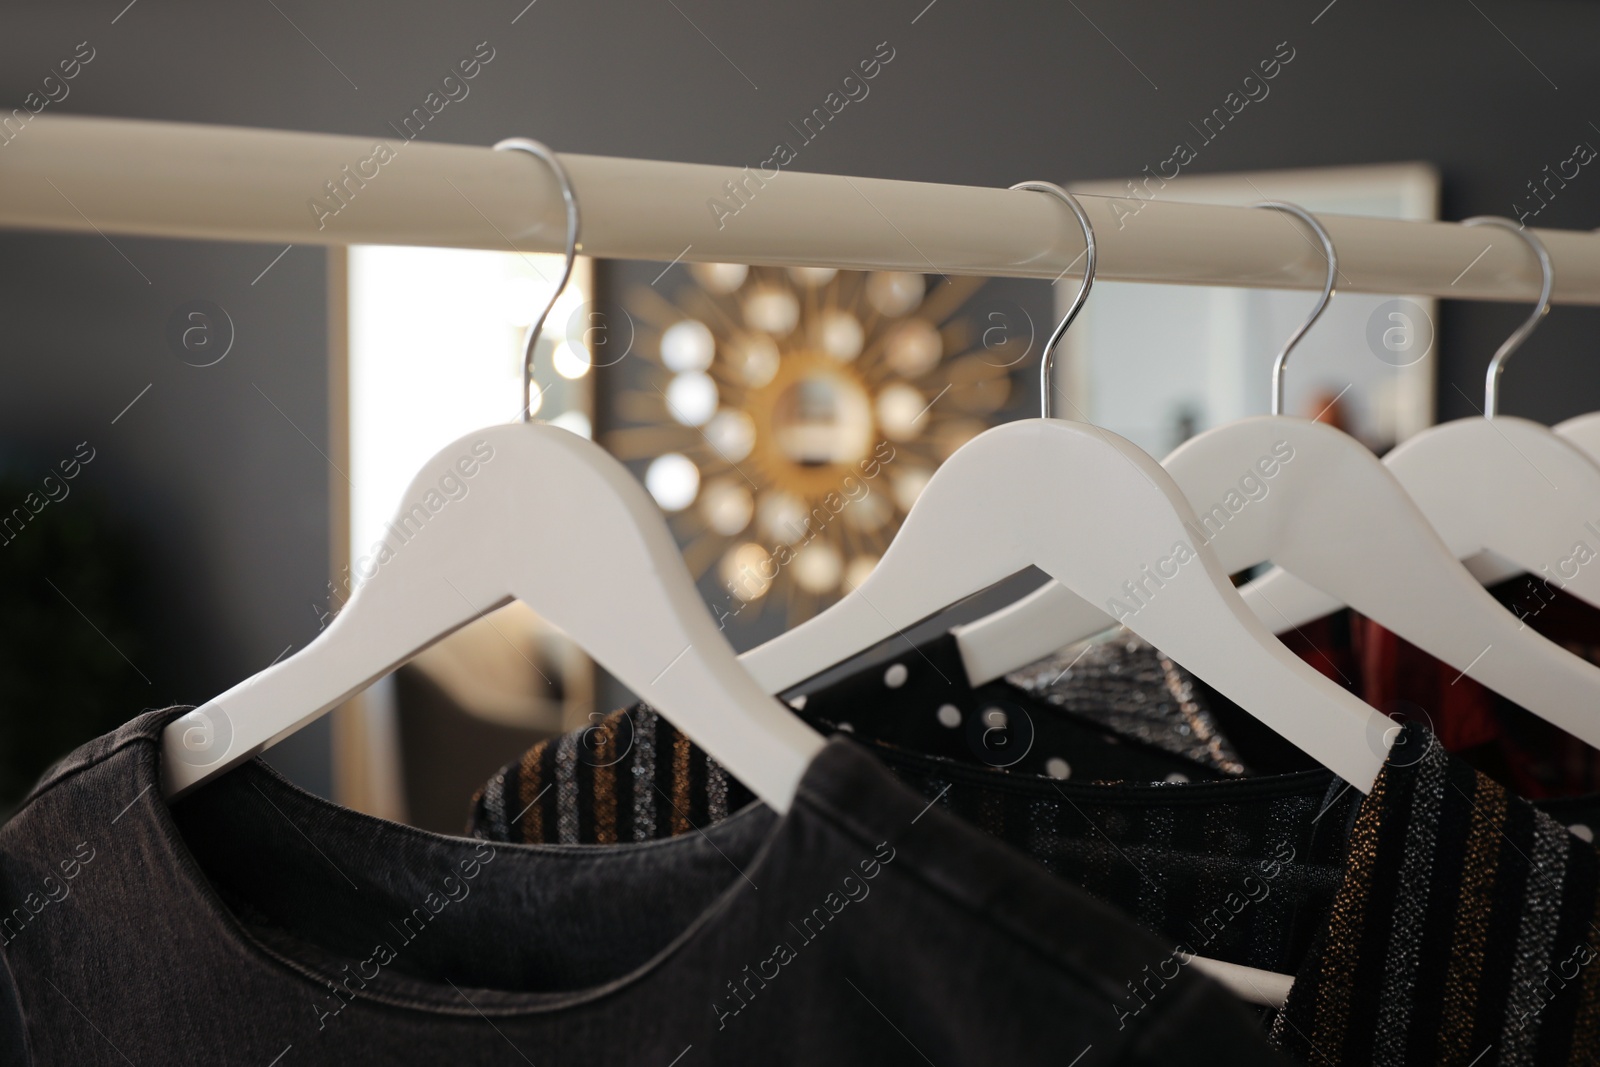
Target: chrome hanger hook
[
  {"x": 1090, "y": 259},
  {"x": 539, "y": 150},
  {"x": 1282, "y": 359},
  {"x": 1491, "y": 381}
]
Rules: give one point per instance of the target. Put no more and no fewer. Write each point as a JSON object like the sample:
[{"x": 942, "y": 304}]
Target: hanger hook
[
  {"x": 536, "y": 148},
  {"x": 1089, "y": 267},
  {"x": 1491, "y": 381},
  {"x": 1282, "y": 360}
]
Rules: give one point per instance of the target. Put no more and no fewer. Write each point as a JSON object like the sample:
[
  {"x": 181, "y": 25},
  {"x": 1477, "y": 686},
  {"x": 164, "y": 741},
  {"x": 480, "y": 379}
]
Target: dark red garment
[{"x": 1500, "y": 738}]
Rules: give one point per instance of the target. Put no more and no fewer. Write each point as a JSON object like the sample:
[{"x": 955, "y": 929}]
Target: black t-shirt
[{"x": 252, "y": 923}]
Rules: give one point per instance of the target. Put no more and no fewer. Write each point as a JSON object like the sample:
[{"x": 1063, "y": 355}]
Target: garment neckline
[{"x": 821, "y": 780}]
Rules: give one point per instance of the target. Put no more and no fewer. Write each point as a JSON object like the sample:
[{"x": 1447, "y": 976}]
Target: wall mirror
[{"x": 1160, "y": 363}]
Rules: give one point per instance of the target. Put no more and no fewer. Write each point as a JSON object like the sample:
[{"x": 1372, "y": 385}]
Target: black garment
[
  {"x": 1118, "y": 711},
  {"x": 1110, "y": 709},
  {"x": 1438, "y": 920},
  {"x": 1168, "y": 855},
  {"x": 252, "y": 923}
]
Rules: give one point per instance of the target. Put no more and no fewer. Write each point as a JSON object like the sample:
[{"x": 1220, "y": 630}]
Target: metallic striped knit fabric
[
  {"x": 1464, "y": 931},
  {"x": 631, "y": 776}
]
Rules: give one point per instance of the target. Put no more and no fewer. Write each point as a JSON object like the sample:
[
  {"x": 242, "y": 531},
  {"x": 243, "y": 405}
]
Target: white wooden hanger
[
  {"x": 1106, "y": 521},
  {"x": 535, "y": 513},
  {"x": 1584, "y": 433},
  {"x": 1318, "y": 503},
  {"x": 1506, "y": 494}
]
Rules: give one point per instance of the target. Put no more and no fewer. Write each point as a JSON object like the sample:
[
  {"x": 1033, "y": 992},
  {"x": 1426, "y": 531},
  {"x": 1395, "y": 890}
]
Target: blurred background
[{"x": 239, "y": 419}]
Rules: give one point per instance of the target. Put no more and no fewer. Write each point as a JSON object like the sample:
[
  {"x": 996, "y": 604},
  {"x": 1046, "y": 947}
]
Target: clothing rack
[{"x": 163, "y": 179}]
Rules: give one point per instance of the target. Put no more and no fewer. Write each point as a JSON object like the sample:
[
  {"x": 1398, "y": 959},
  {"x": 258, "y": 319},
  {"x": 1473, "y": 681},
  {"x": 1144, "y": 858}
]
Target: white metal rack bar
[{"x": 119, "y": 176}]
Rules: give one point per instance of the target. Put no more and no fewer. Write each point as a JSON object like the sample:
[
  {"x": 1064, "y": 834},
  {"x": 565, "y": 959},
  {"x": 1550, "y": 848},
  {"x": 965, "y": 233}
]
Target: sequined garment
[{"x": 1128, "y": 686}]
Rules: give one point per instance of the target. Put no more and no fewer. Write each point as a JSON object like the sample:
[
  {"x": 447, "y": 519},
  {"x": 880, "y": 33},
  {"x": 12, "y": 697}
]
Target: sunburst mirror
[{"x": 787, "y": 419}]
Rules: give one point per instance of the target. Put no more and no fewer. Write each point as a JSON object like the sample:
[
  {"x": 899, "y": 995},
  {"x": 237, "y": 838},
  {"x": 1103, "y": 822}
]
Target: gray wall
[{"x": 231, "y": 491}]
